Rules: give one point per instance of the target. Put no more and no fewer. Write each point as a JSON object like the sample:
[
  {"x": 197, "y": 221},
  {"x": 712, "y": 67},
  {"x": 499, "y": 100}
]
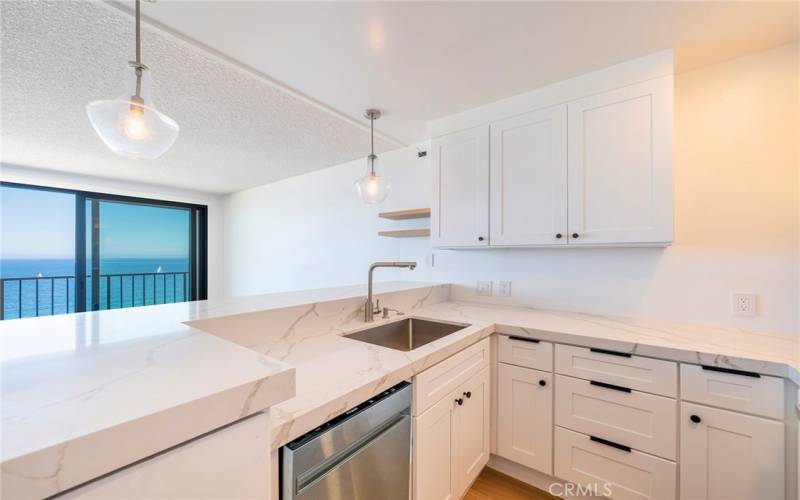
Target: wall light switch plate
[
  {"x": 504, "y": 289},
  {"x": 483, "y": 288},
  {"x": 744, "y": 304}
]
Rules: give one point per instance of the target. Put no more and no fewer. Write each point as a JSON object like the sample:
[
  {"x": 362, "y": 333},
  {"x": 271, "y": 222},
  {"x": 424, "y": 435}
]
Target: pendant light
[
  {"x": 130, "y": 125},
  {"x": 372, "y": 188}
]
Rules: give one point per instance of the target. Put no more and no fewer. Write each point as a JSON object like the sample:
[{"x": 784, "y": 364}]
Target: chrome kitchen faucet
[{"x": 370, "y": 309}]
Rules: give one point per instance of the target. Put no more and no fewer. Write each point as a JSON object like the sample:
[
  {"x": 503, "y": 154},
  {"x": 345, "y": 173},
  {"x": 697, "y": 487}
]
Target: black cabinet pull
[
  {"x": 480, "y": 238},
  {"x": 460, "y": 401},
  {"x": 695, "y": 419},
  {"x": 468, "y": 394},
  {"x": 524, "y": 339},
  {"x": 731, "y": 370},
  {"x": 610, "y": 386},
  {"x": 610, "y": 353},
  {"x": 542, "y": 383},
  {"x": 575, "y": 235},
  {"x": 559, "y": 235},
  {"x": 610, "y": 443}
]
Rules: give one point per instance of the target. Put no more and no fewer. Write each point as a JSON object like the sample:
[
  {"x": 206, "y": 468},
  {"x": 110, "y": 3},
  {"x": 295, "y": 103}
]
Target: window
[{"x": 70, "y": 251}]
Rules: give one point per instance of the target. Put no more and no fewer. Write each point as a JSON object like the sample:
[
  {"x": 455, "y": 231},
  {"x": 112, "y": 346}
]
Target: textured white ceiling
[
  {"x": 237, "y": 130},
  {"x": 424, "y": 60},
  {"x": 267, "y": 90}
]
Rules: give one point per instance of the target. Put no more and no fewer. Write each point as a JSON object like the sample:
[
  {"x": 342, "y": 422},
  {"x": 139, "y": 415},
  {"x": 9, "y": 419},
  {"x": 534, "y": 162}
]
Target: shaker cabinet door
[
  {"x": 433, "y": 452},
  {"x": 729, "y": 455},
  {"x": 471, "y": 430},
  {"x": 529, "y": 179},
  {"x": 525, "y": 416},
  {"x": 460, "y": 209},
  {"x": 620, "y": 166}
]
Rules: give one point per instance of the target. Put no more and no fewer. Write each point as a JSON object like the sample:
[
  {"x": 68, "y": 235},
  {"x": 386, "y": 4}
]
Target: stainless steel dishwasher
[{"x": 363, "y": 454}]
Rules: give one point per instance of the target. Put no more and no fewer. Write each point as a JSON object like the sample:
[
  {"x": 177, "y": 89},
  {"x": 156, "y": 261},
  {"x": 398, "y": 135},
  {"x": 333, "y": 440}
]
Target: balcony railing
[{"x": 46, "y": 295}]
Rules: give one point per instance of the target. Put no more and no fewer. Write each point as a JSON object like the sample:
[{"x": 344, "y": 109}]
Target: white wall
[
  {"x": 736, "y": 219},
  {"x": 312, "y": 231},
  {"x": 736, "y": 215},
  {"x": 39, "y": 177}
]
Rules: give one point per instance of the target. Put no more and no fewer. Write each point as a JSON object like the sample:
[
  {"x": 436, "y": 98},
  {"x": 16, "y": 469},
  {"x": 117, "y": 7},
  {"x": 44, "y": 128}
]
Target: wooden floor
[{"x": 493, "y": 485}]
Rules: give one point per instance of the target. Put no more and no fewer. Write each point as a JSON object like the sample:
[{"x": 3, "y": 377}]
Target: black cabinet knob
[
  {"x": 468, "y": 394},
  {"x": 542, "y": 383},
  {"x": 559, "y": 235},
  {"x": 460, "y": 401},
  {"x": 480, "y": 238},
  {"x": 575, "y": 235},
  {"x": 695, "y": 419}
]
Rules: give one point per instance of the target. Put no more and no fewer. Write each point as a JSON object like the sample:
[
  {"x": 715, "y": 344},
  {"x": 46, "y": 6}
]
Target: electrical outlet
[
  {"x": 744, "y": 304},
  {"x": 483, "y": 288},
  {"x": 504, "y": 289}
]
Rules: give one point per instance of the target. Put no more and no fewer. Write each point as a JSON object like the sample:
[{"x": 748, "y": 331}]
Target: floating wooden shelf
[
  {"x": 406, "y": 233},
  {"x": 414, "y": 213}
]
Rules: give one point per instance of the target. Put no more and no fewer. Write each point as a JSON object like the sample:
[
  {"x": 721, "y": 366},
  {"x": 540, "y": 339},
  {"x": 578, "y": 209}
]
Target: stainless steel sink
[{"x": 407, "y": 334}]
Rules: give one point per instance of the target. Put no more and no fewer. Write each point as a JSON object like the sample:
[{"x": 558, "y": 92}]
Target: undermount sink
[{"x": 406, "y": 334}]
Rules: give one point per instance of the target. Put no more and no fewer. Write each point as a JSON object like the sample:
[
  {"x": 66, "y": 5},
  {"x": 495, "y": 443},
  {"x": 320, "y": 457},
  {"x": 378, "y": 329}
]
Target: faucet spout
[{"x": 370, "y": 309}]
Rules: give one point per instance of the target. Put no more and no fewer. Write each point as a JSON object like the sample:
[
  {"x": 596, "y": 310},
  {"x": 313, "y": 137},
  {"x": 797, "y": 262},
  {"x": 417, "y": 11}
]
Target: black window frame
[{"x": 198, "y": 256}]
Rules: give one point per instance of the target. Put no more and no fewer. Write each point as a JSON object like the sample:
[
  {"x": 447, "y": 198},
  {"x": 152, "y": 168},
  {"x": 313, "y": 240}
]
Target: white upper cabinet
[
  {"x": 460, "y": 210},
  {"x": 583, "y": 162},
  {"x": 620, "y": 166},
  {"x": 529, "y": 179}
]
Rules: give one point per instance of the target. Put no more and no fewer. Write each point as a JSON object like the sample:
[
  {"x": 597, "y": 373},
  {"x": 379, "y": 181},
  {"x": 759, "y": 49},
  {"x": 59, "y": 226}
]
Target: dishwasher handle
[{"x": 311, "y": 477}]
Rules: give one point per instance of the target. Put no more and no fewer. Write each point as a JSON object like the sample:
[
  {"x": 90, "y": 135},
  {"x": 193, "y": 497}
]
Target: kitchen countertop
[
  {"x": 346, "y": 372},
  {"x": 84, "y": 394},
  {"x": 336, "y": 373}
]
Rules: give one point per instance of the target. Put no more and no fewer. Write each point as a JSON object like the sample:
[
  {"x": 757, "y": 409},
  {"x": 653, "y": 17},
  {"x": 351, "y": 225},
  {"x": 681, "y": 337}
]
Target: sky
[{"x": 41, "y": 225}]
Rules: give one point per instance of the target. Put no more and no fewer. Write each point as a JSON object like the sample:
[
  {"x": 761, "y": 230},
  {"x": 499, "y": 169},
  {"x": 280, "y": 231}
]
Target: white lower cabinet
[
  {"x": 471, "y": 440},
  {"x": 604, "y": 470},
  {"x": 612, "y": 424},
  {"x": 451, "y": 441},
  {"x": 433, "y": 452},
  {"x": 525, "y": 416},
  {"x": 729, "y": 455},
  {"x": 233, "y": 462}
]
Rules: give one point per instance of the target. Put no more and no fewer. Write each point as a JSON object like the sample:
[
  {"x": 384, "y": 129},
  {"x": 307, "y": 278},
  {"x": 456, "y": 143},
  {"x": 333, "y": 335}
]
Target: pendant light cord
[
  {"x": 138, "y": 63},
  {"x": 371, "y": 142},
  {"x": 138, "y": 35}
]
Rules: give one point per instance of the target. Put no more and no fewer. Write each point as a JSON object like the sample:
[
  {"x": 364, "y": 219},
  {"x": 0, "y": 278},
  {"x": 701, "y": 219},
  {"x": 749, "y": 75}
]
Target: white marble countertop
[
  {"x": 84, "y": 394},
  {"x": 336, "y": 373}
]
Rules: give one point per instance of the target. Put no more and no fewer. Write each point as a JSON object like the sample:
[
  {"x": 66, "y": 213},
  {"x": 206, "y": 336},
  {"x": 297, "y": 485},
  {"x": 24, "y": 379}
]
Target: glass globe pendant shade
[
  {"x": 372, "y": 188},
  {"x": 130, "y": 125}
]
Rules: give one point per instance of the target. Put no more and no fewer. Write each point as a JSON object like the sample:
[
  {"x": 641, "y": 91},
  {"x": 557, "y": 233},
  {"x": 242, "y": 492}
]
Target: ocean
[{"x": 152, "y": 280}]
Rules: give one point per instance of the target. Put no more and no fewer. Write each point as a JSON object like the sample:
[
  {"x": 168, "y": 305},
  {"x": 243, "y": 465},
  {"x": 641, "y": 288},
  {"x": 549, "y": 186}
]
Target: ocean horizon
[{"x": 154, "y": 283}]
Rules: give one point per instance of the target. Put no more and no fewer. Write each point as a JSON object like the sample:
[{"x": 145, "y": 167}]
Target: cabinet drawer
[
  {"x": 527, "y": 352},
  {"x": 635, "y": 372},
  {"x": 757, "y": 394},
  {"x": 611, "y": 471},
  {"x": 438, "y": 381},
  {"x": 642, "y": 421}
]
